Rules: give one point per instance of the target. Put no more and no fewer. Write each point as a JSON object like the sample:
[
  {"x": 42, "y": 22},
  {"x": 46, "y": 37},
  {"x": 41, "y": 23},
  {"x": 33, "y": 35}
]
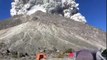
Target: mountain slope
[{"x": 50, "y": 32}]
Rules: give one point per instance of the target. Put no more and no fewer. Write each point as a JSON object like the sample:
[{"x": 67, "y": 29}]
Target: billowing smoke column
[{"x": 66, "y": 8}]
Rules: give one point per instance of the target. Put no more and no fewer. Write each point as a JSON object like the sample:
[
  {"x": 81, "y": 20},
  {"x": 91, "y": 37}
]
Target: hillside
[{"x": 42, "y": 31}]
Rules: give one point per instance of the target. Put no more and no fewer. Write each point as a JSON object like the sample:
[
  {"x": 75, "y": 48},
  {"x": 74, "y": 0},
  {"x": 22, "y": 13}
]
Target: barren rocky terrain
[{"x": 27, "y": 35}]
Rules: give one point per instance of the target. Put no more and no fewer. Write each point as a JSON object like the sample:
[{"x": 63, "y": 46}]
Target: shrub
[{"x": 69, "y": 50}]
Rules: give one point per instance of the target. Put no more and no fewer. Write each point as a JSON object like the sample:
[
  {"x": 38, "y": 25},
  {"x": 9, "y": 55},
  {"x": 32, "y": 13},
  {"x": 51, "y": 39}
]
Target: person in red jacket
[{"x": 71, "y": 55}]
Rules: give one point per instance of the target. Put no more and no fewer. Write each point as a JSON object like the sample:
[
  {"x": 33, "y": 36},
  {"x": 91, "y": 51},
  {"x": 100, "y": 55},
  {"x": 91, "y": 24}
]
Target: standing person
[
  {"x": 72, "y": 55},
  {"x": 99, "y": 55},
  {"x": 104, "y": 53}
]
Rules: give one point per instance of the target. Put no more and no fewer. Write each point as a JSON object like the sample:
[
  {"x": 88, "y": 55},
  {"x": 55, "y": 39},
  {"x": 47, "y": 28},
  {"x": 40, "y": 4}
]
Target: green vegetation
[
  {"x": 65, "y": 53},
  {"x": 69, "y": 50}
]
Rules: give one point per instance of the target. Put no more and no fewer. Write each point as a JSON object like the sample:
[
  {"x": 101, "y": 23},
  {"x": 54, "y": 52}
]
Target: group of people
[
  {"x": 80, "y": 55},
  {"x": 89, "y": 55}
]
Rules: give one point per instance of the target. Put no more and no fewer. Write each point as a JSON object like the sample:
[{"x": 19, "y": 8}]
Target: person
[
  {"x": 104, "y": 53},
  {"x": 72, "y": 55},
  {"x": 99, "y": 55},
  {"x": 84, "y": 55},
  {"x": 41, "y": 56}
]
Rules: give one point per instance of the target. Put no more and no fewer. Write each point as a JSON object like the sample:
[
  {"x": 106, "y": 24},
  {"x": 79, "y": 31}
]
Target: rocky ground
[{"x": 42, "y": 31}]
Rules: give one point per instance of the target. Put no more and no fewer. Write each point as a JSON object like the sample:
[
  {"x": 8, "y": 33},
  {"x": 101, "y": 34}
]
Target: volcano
[{"x": 42, "y": 31}]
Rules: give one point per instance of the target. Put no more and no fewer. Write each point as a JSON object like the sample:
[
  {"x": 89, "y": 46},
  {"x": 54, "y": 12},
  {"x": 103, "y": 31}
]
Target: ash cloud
[{"x": 66, "y": 8}]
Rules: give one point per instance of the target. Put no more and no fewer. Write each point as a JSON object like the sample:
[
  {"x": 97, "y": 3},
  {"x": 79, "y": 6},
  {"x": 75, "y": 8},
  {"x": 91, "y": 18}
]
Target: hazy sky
[{"x": 93, "y": 10}]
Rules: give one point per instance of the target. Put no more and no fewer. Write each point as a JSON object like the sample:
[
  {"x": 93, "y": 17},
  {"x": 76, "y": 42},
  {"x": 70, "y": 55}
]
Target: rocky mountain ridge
[{"x": 46, "y": 31}]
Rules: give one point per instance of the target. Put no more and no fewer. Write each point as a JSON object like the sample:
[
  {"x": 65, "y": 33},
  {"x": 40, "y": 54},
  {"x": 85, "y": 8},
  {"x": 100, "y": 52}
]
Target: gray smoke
[{"x": 66, "y": 8}]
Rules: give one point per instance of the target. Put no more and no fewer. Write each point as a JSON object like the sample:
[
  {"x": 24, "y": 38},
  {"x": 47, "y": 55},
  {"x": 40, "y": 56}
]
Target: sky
[{"x": 93, "y": 10}]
